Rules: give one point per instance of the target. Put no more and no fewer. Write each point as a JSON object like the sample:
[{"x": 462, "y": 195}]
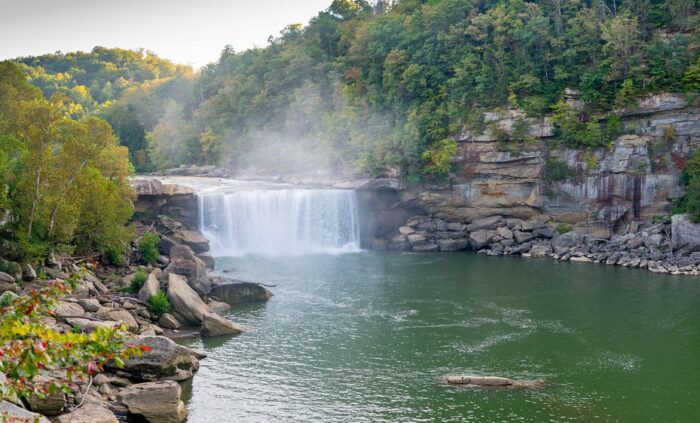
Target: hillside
[{"x": 383, "y": 89}]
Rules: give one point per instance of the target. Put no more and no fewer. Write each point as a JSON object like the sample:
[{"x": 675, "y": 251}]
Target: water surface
[{"x": 365, "y": 337}]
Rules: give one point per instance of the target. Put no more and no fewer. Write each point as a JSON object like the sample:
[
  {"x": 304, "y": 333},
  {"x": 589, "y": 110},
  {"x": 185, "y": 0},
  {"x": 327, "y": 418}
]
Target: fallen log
[{"x": 493, "y": 382}]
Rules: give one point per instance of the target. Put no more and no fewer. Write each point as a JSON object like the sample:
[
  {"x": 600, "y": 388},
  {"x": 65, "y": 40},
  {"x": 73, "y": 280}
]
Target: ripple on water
[{"x": 365, "y": 337}]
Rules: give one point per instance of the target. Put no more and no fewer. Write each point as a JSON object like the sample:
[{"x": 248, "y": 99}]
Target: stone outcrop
[{"x": 155, "y": 402}]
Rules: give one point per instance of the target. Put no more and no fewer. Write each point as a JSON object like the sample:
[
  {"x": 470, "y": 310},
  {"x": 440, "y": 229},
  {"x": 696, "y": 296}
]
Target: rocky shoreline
[
  {"x": 146, "y": 388},
  {"x": 663, "y": 247}
]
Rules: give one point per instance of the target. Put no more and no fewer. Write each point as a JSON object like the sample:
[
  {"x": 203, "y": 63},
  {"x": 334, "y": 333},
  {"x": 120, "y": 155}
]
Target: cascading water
[{"x": 280, "y": 221}]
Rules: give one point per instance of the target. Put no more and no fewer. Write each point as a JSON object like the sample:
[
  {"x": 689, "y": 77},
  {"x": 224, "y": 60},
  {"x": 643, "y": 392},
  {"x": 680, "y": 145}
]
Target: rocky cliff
[{"x": 637, "y": 178}]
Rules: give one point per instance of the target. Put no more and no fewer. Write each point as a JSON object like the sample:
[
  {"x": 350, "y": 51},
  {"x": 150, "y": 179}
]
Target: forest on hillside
[{"x": 382, "y": 88}]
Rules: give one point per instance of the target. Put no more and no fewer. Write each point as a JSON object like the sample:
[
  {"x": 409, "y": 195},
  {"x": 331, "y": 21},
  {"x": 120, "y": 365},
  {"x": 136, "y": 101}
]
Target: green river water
[{"x": 366, "y": 337}]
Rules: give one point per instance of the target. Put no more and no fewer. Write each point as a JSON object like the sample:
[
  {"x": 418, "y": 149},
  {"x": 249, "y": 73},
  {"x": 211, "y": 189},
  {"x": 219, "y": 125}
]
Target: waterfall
[{"x": 280, "y": 221}]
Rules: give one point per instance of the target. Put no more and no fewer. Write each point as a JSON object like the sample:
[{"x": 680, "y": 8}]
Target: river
[{"x": 366, "y": 336}]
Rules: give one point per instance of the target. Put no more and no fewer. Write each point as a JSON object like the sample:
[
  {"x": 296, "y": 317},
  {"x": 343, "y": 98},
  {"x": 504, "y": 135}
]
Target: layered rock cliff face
[{"x": 636, "y": 179}]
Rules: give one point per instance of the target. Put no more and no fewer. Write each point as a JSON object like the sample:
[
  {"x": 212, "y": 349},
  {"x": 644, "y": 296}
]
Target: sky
[{"x": 185, "y": 31}]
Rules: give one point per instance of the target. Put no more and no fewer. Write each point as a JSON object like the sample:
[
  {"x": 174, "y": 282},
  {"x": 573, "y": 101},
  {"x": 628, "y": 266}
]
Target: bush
[
  {"x": 148, "y": 247},
  {"x": 564, "y": 228},
  {"x": 137, "y": 281},
  {"x": 439, "y": 157},
  {"x": 37, "y": 360},
  {"x": 556, "y": 170},
  {"x": 7, "y": 298},
  {"x": 159, "y": 303}
]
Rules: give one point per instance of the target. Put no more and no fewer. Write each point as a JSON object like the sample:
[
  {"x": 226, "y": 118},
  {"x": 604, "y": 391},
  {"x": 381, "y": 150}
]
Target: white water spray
[{"x": 280, "y": 221}]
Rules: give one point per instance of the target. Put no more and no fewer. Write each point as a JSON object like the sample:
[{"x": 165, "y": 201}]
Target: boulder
[
  {"x": 15, "y": 413},
  {"x": 653, "y": 241},
  {"x": 531, "y": 225},
  {"x": 184, "y": 262},
  {"x": 155, "y": 402},
  {"x": 544, "y": 232},
  {"x": 151, "y": 286},
  {"x": 521, "y": 236},
  {"x": 219, "y": 307},
  {"x": 453, "y": 244},
  {"x": 635, "y": 242},
  {"x": 165, "y": 245},
  {"x": 196, "y": 241},
  {"x": 215, "y": 325},
  {"x": 7, "y": 283},
  {"x": 491, "y": 222},
  {"x": 120, "y": 316},
  {"x": 169, "y": 321},
  {"x": 416, "y": 239},
  {"x": 185, "y": 302},
  {"x": 504, "y": 233},
  {"x": 208, "y": 260},
  {"x": 540, "y": 250},
  {"x": 50, "y": 405},
  {"x": 581, "y": 259},
  {"x": 65, "y": 309},
  {"x": 166, "y": 360},
  {"x": 11, "y": 268},
  {"x": 239, "y": 292},
  {"x": 87, "y": 325},
  {"x": 481, "y": 238},
  {"x": 406, "y": 230},
  {"x": 89, "y": 413},
  {"x": 426, "y": 248},
  {"x": 685, "y": 235},
  {"x": 28, "y": 272},
  {"x": 89, "y": 304}
]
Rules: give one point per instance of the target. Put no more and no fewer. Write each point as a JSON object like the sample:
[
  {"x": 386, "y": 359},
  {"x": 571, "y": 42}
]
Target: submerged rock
[{"x": 493, "y": 382}]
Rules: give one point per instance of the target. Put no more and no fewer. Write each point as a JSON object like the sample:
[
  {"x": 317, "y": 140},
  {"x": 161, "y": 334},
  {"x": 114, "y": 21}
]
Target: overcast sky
[{"x": 185, "y": 31}]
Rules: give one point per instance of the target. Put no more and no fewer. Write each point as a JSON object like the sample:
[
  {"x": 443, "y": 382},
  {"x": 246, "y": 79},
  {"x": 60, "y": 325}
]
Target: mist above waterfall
[{"x": 280, "y": 221}]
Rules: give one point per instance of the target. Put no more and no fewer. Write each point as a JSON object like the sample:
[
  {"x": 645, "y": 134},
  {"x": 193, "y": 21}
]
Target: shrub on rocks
[
  {"x": 159, "y": 304},
  {"x": 138, "y": 279},
  {"x": 148, "y": 247}
]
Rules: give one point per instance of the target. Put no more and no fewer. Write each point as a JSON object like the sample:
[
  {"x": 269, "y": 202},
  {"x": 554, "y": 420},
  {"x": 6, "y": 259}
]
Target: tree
[
  {"x": 621, "y": 36},
  {"x": 61, "y": 178}
]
